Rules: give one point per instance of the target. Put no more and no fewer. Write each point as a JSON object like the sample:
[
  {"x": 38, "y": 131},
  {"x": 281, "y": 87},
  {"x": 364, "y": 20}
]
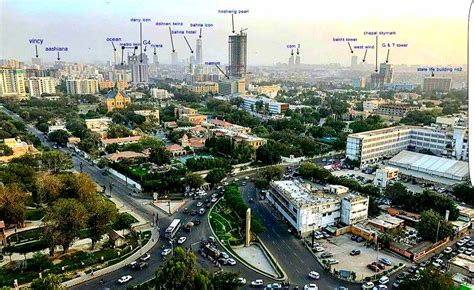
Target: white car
[
  {"x": 383, "y": 280},
  {"x": 256, "y": 283},
  {"x": 436, "y": 264},
  {"x": 231, "y": 262},
  {"x": 313, "y": 275},
  {"x": 165, "y": 252},
  {"x": 225, "y": 255},
  {"x": 381, "y": 287},
  {"x": 181, "y": 240},
  {"x": 274, "y": 286},
  {"x": 199, "y": 204},
  {"x": 213, "y": 199},
  {"x": 242, "y": 280},
  {"x": 448, "y": 250},
  {"x": 368, "y": 285},
  {"x": 319, "y": 249},
  {"x": 468, "y": 252},
  {"x": 124, "y": 279},
  {"x": 310, "y": 287},
  {"x": 460, "y": 243}
]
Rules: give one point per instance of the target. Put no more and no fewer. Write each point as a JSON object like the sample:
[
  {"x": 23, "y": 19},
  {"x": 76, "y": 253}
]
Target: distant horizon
[{"x": 433, "y": 32}]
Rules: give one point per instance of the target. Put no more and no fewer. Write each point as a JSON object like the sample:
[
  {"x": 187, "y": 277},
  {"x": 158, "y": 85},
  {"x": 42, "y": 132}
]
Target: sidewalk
[{"x": 86, "y": 277}]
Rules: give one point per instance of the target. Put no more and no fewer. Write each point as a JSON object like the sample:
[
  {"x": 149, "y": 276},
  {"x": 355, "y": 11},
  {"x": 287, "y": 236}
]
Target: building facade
[
  {"x": 436, "y": 84},
  {"x": 117, "y": 100},
  {"x": 82, "y": 87},
  {"x": 237, "y": 55},
  {"x": 138, "y": 65},
  {"x": 41, "y": 85},
  {"x": 12, "y": 82}
]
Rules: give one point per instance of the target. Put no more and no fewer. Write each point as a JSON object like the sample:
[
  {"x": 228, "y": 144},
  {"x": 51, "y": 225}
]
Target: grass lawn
[
  {"x": 226, "y": 224},
  {"x": 140, "y": 171},
  {"x": 34, "y": 214}
]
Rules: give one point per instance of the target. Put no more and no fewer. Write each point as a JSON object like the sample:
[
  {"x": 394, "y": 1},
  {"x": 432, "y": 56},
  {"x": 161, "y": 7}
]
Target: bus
[{"x": 173, "y": 229}]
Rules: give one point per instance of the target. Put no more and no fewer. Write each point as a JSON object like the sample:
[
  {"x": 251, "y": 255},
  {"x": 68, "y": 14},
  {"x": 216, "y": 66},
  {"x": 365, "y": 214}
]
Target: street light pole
[{"x": 437, "y": 231}]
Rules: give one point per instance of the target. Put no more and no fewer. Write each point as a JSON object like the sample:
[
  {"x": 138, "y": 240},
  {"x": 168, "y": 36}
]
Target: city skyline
[{"x": 313, "y": 28}]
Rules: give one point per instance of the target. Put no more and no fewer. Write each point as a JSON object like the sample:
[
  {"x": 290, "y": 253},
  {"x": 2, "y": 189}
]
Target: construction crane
[{"x": 242, "y": 30}]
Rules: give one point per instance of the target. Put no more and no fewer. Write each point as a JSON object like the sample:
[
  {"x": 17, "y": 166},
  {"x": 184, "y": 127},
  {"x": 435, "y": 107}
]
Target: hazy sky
[{"x": 435, "y": 31}]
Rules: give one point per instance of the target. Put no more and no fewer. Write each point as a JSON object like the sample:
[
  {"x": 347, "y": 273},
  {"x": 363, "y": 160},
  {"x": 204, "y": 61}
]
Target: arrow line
[
  {"x": 188, "y": 44},
  {"x": 200, "y": 32},
  {"x": 58, "y": 56},
  {"x": 113, "y": 45},
  {"x": 291, "y": 51},
  {"x": 388, "y": 53},
  {"x": 365, "y": 54},
  {"x": 171, "y": 36},
  {"x": 350, "y": 47},
  {"x": 154, "y": 51},
  {"x": 222, "y": 71},
  {"x": 123, "y": 49},
  {"x": 36, "y": 49},
  {"x": 141, "y": 43},
  {"x": 233, "y": 30},
  {"x": 376, "y": 52}
]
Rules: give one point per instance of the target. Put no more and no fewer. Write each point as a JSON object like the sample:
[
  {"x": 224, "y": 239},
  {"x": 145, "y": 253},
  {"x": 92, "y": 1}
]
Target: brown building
[{"x": 108, "y": 84}]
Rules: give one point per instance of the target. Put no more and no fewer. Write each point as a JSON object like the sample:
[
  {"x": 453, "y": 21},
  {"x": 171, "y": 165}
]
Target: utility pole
[{"x": 437, "y": 231}]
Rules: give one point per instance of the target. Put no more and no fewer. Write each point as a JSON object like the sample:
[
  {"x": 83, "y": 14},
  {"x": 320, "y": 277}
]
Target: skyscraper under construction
[{"x": 237, "y": 55}]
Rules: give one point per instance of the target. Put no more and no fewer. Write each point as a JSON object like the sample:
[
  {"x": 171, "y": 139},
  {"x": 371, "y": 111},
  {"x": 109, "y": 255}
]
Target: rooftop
[
  {"x": 463, "y": 261},
  {"x": 297, "y": 193}
]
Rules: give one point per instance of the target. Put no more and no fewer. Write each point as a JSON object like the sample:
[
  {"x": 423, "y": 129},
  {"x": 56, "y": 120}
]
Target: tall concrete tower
[
  {"x": 291, "y": 60},
  {"x": 298, "y": 60},
  {"x": 138, "y": 64},
  {"x": 174, "y": 58},
  {"x": 237, "y": 55},
  {"x": 199, "y": 52}
]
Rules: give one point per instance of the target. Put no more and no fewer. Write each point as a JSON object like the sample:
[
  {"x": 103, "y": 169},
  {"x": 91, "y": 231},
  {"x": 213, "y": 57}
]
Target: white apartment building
[
  {"x": 41, "y": 85},
  {"x": 12, "y": 82},
  {"x": 82, "y": 86},
  {"x": 372, "y": 146},
  {"x": 307, "y": 211},
  {"x": 160, "y": 94},
  {"x": 274, "y": 107},
  {"x": 98, "y": 125},
  {"x": 354, "y": 209},
  {"x": 370, "y": 106}
]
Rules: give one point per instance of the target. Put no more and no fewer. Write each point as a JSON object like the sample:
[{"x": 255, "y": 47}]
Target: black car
[
  {"x": 359, "y": 239},
  {"x": 402, "y": 275},
  {"x": 142, "y": 265},
  {"x": 354, "y": 237},
  {"x": 196, "y": 222},
  {"x": 193, "y": 212}
]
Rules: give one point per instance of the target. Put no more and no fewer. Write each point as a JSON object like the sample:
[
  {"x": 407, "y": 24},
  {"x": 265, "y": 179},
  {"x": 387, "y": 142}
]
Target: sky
[{"x": 435, "y": 31}]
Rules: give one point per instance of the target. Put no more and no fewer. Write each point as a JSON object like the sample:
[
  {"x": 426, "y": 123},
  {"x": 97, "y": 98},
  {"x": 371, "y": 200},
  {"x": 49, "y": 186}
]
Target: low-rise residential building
[
  {"x": 108, "y": 84},
  {"x": 237, "y": 138},
  {"x": 306, "y": 210},
  {"x": 370, "y": 106},
  {"x": 180, "y": 111},
  {"x": 383, "y": 176},
  {"x": 98, "y": 125},
  {"x": 205, "y": 88},
  {"x": 463, "y": 264},
  {"x": 160, "y": 94},
  {"x": 120, "y": 141},
  {"x": 52, "y": 128},
  {"x": 195, "y": 119},
  {"x": 150, "y": 115},
  {"x": 223, "y": 124},
  {"x": 18, "y": 147},
  {"x": 124, "y": 155},
  {"x": 176, "y": 150},
  {"x": 394, "y": 109}
]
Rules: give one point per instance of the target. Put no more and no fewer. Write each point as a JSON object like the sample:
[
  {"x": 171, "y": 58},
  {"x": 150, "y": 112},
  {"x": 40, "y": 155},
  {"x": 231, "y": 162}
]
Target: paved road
[{"x": 290, "y": 252}]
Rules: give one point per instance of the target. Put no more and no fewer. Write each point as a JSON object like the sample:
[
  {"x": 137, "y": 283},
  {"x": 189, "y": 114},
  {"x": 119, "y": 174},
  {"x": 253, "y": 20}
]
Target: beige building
[
  {"x": 205, "y": 88},
  {"x": 12, "y": 82},
  {"x": 150, "y": 115},
  {"x": 98, "y": 125},
  {"x": 18, "y": 147},
  {"x": 82, "y": 87},
  {"x": 41, "y": 85},
  {"x": 436, "y": 84},
  {"x": 117, "y": 100},
  {"x": 394, "y": 110}
]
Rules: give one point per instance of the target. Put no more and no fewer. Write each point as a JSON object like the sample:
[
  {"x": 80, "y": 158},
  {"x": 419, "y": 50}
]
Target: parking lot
[{"x": 341, "y": 248}]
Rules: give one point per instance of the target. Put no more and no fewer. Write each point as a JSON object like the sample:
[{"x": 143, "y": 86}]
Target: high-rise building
[
  {"x": 174, "y": 58},
  {"x": 41, "y": 85},
  {"x": 138, "y": 64},
  {"x": 384, "y": 76},
  {"x": 354, "y": 61},
  {"x": 12, "y": 82},
  {"x": 155, "y": 60},
  {"x": 237, "y": 55},
  {"x": 297, "y": 60},
  {"x": 436, "y": 84},
  {"x": 199, "y": 52},
  {"x": 36, "y": 60},
  {"x": 291, "y": 61},
  {"x": 82, "y": 86}
]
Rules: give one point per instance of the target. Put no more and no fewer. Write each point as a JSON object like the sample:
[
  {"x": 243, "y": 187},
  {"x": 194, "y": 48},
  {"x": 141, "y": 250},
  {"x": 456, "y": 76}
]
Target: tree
[
  {"x": 268, "y": 154},
  {"x": 428, "y": 226},
  {"x": 5, "y": 150},
  {"x": 193, "y": 180},
  {"x": 118, "y": 131},
  {"x": 273, "y": 172},
  {"x": 101, "y": 214},
  {"x": 48, "y": 187},
  {"x": 123, "y": 221},
  {"x": 79, "y": 186},
  {"x": 12, "y": 204},
  {"x": 65, "y": 220},
  {"x": 56, "y": 161},
  {"x": 39, "y": 262},
  {"x": 307, "y": 169},
  {"x": 59, "y": 136},
  {"x": 374, "y": 209},
  {"x": 180, "y": 272},
  {"x": 397, "y": 193},
  {"x": 430, "y": 279},
  {"x": 215, "y": 176},
  {"x": 159, "y": 155},
  {"x": 50, "y": 282},
  {"x": 465, "y": 192}
]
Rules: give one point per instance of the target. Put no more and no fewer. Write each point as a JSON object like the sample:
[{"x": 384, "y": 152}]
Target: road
[{"x": 289, "y": 251}]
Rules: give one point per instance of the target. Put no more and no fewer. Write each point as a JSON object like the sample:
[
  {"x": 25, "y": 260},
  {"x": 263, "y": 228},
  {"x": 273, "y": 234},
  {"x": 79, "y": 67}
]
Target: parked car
[
  {"x": 199, "y": 204},
  {"x": 274, "y": 286},
  {"x": 225, "y": 255},
  {"x": 380, "y": 265},
  {"x": 372, "y": 267},
  {"x": 412, "y": 269},
  {"x": 368, "y": 285},
  {"x": 355, "y": 252},
  {"x": 196, "y": 221},
  {"x": 385, "y": 261},
  {"x": 222, "y": 261},
  {"x": 354, "y": 237},
  {"x": 213, "y": 199},
  {"x": 181, "y": 240},
  {"x": 448, "y": 250},
  {"x": 256, "y": 283},
  {"x": 319, "y": 249},
  {"x": 310, "y": 287},
  {"x": 359, "y": 239},
  {"x": 313, "y": 275},
  {"x": 142, "y": 265},
  {"x": 326, "y": 255},
  {"x": 193, "y": 212},
  {"x": 424, "y": 264},
  {"x": 202, "y": 211},
  {"x": 231, "y": 262},
  {"x": 124, "y": 279},
  {"x": 384, "y": 280},
  {"x": 242, "y": 281},
  {"x": 468, "y": 252},
  {"x": 332, "y": 261}
]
